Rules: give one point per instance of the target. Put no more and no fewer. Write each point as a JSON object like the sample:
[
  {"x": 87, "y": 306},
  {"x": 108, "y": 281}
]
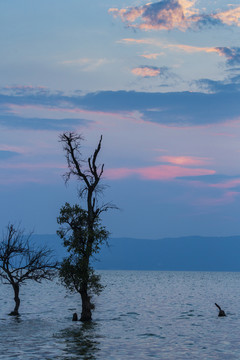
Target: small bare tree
[
  {"x": 81, "y": 228},
  {"x": 21, "y": 261}
]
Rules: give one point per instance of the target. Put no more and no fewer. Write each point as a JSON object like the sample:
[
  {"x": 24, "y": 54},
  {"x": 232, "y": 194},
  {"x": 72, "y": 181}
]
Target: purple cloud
[
  {"x": 229, "y": 85},
  {"x": 231, "y": 53},
  {"x": 170, "y": 109},
  {"x": 5, "y": 154}
]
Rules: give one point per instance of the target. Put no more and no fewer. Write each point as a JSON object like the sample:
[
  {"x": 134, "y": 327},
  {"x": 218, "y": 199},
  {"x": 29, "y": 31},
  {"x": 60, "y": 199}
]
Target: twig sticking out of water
[
  {"x": 75, "y": 317},
  {"x": 221, "y": 312}
]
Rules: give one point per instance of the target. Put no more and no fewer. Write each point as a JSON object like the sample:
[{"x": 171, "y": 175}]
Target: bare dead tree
[
  {"x": 21, "y": 261},
  {"x": 87, "y": 172},
  {"x": 83, "y": 233}
]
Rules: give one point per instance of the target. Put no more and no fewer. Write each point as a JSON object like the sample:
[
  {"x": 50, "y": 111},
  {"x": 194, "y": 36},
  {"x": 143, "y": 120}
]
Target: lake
[{"x": 139, "y": 315}]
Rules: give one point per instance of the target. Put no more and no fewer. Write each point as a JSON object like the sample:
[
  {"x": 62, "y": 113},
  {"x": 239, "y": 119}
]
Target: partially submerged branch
[{"x": 221, "y": 312}]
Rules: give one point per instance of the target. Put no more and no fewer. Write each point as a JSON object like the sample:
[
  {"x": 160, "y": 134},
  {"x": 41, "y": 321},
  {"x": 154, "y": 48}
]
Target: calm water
[{"x": 140, "y": 315}]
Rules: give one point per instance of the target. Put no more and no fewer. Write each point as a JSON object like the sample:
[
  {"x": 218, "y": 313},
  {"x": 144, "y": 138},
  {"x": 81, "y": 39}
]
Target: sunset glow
[{"x": 160, "y": 82}]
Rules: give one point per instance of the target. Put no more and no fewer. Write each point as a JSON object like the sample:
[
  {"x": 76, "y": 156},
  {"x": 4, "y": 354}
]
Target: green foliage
[
  {"x": 82, "y": 242},
  {"x": 75, "y": 275},
  {"x": 78, "y": 237}
]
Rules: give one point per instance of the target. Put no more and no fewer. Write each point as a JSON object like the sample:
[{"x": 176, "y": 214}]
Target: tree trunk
[
  {"x": 86, "y": 314},
  {"x": 16, "y": 299}
]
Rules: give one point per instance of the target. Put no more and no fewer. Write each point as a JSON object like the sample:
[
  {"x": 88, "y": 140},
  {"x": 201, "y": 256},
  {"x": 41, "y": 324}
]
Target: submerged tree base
[
  {"x": 85, "y": 318},
  {"x": 82, "y": 319},
  {"x": 75, "y": 317},
  {"x": 14, "y": 313}
]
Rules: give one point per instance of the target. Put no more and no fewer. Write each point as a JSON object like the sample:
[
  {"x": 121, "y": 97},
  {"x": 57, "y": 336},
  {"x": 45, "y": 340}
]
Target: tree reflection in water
[{"x": 80, "y": 341}]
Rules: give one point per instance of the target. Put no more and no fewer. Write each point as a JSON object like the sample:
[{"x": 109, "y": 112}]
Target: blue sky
[{"x": 160, "y": 81}]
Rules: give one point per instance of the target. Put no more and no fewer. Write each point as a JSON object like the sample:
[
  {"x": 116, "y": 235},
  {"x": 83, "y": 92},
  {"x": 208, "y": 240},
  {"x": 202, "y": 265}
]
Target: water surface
[{"x": 140, "y": 315}]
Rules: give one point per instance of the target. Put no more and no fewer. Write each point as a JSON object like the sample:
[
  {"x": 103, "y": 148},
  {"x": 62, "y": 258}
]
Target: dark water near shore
[{"x": 140, "y": 315}]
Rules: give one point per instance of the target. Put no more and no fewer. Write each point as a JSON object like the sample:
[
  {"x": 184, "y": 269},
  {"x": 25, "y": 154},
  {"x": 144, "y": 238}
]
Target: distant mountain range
[{"x": 193, "y": 253}]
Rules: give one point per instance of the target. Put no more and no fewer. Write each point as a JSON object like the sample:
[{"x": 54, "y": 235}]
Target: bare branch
[
  {"x": 71, "y": 145},
  {"x": 20, "y": 260},
  {"x": 90, "y": 175}
]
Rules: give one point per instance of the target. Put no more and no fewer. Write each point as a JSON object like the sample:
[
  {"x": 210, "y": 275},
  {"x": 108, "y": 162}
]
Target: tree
[
  {"x": 21, "y": 261},
  {"x": 81, "y": 228}
]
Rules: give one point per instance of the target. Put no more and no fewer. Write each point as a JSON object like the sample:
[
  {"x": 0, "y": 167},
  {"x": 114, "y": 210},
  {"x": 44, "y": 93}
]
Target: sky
[{"x": 159, "y": 80}]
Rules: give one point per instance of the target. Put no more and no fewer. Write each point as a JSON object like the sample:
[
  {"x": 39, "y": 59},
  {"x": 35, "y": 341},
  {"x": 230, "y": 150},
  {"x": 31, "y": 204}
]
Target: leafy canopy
[{"x": 75, "y": 233}]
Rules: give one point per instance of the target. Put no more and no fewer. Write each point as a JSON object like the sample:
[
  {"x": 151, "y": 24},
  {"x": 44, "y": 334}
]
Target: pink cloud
[
  {"x": 159, "y": 172},
  {"x": 20, "y": 179},
  {"x": 226, "y": 198},
  {"x": 136, "y": 41},
  {"x": 156, "y": 16},
  {"x": 30, "y": 166},
  {"x": 127, "y": 14},
  {"x": 229, "y": 17},
  {"x": 86, "y": 64},
  {"x": 225, "y": 134},
  {"x": 46, "y": 111},
  {"x": 25, "y": 173},
  {"x": 146, "y": 71},
  {"x": 17, "y": 149},
  {"x": 227, "y": 184},
  {"x": 171, "y": 14},
  {"x": 159, "y": 15},
  {"x": 82, "y": 61},
  {"x": 151, "y": 56},
  {"x": 177, "y": 47},
  {"x": 184, "y": 160},
  {"x": 193, "y": 49},
  {"x": 25, "y": 88},
  {"x": 118, "y": 173}
]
